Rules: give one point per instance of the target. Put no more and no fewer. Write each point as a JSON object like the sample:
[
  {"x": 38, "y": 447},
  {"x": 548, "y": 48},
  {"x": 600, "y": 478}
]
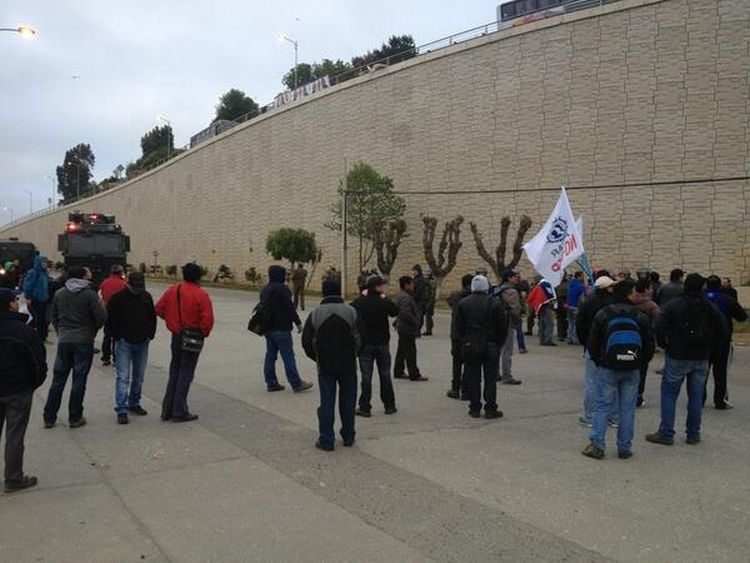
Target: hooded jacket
[
  {"x": 480, "y": 313},
  {"x": 373, "y": 310},
  {"x": 131, "y": 316},
  {"x": 23, "y": 364},
  {"x": 77, "y": 312},
  {"x": 277, "y": 297},
  {"x": 36, "y": 282},
  {"x": 670, "y": 333},
  {"x": 588, "y": 310}
]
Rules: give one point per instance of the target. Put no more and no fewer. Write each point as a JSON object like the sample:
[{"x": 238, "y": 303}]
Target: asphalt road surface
[{"x": 245, "y": 483}]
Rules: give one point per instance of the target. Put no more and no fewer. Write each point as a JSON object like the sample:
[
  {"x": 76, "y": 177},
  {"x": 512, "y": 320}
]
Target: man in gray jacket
[
  {"x": 408, "y": 326},
  {"x": 77, "y": 315},
  {"x": 512, "y": 299},
  {"x": 331, "y": 338}
]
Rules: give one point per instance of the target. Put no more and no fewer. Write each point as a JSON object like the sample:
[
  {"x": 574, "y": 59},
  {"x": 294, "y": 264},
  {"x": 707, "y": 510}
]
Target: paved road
[{"x": 245, "y": 483}]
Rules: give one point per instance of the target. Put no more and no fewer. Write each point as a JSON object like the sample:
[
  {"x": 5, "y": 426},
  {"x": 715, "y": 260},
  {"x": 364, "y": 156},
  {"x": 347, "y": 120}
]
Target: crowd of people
[{"x": 618, "y": 321}]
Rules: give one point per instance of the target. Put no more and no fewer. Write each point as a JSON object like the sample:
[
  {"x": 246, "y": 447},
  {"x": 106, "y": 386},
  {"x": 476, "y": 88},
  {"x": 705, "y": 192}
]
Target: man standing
[
  {"x": 112, "y": 285},
  {"x": 421, "y": 294},
  {"x": 542, "y": 299},
  {"x": 184, "y": 306},
  {"x": 374, "y": 309},
  {"x": 332, "y": 340},
  {"x": 36, "y": 291},
  {"x": 576, "y": 289},
  {"x": 459, "y": 383},
  {"x": 299, "y": 278},
  {"x": 23, "y": 367},
  {"x": 670, "y": 290},
  {"x": 408, "y": 327},
  {"x": 77, "y": 315},
  {"x": 730, "y": 310},
  {"x": 561, "y": 316},
  {"x": 603, "y": 296},
  {"x": 482, "y": 327},
  {"x": 278, "y": 299},
  {"x": 689, "y": 328},
  {"x": 620, "y": 343},
  {"x": 514, "y": 307},
  {"x": 132, "y": 321},
  {"x": 429, "y": 305}
]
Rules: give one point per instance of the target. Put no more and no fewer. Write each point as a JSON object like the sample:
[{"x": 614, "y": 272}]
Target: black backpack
[
  {"x": 624, "y": 346},
  {"x": 696, "y": 324}
]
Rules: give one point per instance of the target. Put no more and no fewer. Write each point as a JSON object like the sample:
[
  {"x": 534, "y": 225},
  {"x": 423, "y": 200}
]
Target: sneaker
[
  {"x": 419, "y": 378},
  {"x": 493, "y": 414},
  {"x": 511, "y": 381},
  {"x": 26, "y": 482},
  {"x": 187, "y": 418},
  {"x": 165, "y": 417},
  {"x": 693, "y": 440},
  {"x": 324, "y": 447},
  {"x": 453, "y": 394},
  {"x": 362, "y": 412},
  {"x": 657, "y": 438},
  {"x": 276, "y": 387},
  {"x": 593, "y": 452},
  {"x": 583, "y": 421},
  {"x": 474, "y": 414},
  {"x": 349, "y": 442},
  {"x": 49, "y": 424},
  {"x": 640, "y": 403},
  {"x": 549, "y": 344},
  {"x": 304, "y": 386},
  {"x": 139, "y": 410},
  {"x": 391, "y": 410},
  {"x": 122, "y": 418},
  {"x": 624, "y": 455},
  {"x": 725, "y": 406},
  {"x": 523, "y": 351},
  {"x": 77, "y": 423}
]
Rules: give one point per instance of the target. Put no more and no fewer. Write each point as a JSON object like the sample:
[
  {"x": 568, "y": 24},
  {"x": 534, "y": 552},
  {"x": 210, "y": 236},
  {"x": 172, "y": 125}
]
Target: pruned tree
[
  {"x": 296, "y": 245},
  {"x": 386, "y": 240},
  {"x": 450, "y": 242},
  {"x": 497, "y": 262}
]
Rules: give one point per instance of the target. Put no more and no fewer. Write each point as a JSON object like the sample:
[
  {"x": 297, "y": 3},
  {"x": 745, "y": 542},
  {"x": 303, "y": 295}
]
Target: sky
[{"x": 101, "y": 72}]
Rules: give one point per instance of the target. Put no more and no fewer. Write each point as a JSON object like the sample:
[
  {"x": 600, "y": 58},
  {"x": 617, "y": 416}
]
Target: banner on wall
[{"x": 306, "y": 90}]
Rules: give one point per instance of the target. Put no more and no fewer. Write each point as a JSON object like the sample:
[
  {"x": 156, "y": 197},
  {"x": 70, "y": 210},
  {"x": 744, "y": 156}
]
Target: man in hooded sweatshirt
[
  {"x": 77, "y": 315},
  {"x": 36, "y": 291},
  {"x": 278, "y": 300}
]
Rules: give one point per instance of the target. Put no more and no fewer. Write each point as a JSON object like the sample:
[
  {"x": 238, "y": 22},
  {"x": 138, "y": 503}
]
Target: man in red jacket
[
  {"x": 115, "y": 283},
  {"x": 184, "y": 305}
]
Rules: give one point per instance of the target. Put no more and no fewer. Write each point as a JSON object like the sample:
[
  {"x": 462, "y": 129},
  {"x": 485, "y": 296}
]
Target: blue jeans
[
  {"x": 520, "y": 337},
  {"x": 572, "y": 335},
  {"x": 130, "y": 364},
  {"x": 546, "y": 324},
  {"x": 70, "y": 356},
  {"x": 615, "y": 389},
  {"x": 589, "y": 391},
  {"x": 280, "y": 341},
  {"x": 675, "y": 372},
  {"x": 367, "y": 359},
  {"x": 326, "y": 411}
]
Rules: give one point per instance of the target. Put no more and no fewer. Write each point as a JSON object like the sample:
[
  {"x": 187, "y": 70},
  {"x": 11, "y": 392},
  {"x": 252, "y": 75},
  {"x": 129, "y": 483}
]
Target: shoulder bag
[{"x": 191, "y": 339}]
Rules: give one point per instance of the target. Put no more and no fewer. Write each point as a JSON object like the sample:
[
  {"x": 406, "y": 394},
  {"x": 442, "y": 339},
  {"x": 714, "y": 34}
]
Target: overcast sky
[{"x": 136, "y": 59}]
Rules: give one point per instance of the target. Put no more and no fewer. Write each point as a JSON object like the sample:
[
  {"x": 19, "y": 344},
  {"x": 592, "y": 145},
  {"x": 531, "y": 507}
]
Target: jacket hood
[
  {"x": 75, "y": 285},
  {"x": 40, "y": 262},
  {"x": 277, "y": 274}
]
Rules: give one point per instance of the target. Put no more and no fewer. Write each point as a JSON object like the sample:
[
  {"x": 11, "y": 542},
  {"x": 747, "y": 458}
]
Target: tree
[
  {"x": 296, "y": 245},
  {"x": 118, "y": 172},
  {"x": 159, "y": 138},
  {"x": 74, "y": 175},
  {"x": 308, "y": 72},
  {"x": 399, "y": 48},
  {"x": 234, "y": 104},
  {"x": 497, "y": 263},
  {"x": 304, "y": 75},
  {"x": 450, "y": 241},
  {"x": 386, "y": 240},
  {"x": 371, "y": 204}
]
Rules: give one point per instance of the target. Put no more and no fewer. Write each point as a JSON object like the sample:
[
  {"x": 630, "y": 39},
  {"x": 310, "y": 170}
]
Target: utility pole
[{"x": 344, "y": 203}]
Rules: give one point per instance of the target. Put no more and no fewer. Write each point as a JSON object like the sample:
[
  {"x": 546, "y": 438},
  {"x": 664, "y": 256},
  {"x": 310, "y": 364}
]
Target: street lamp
[
  {"x": 283, "y": 37},
  {"x": 23, "y": 30},
  {"x": 165, "y": 120}
]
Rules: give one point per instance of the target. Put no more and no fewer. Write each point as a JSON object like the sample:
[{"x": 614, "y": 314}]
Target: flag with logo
[{"x": 557, "y": 244}]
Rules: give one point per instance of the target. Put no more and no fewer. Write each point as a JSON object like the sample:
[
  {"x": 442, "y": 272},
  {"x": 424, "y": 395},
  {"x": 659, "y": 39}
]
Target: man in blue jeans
[
  {"x": 132, "y": 325},
  {"x": 689, "y": 328},
  {"x": 331, "y": 338},
  {"x": 277, "y": 297},
  {"x": 77, "y": 315},
  {"x": 620, "y": 342}
]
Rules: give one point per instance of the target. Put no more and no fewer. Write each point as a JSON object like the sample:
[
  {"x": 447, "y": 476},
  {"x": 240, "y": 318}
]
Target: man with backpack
[
  {"x": 729, "y": 309},
  {"x": 332, "y": 340},
  {"x": 689, "y": 328},
  {"x": 482, "y": 327},
  {"x": 513, "y": 305},
  {"x": 619, "y": 343}
]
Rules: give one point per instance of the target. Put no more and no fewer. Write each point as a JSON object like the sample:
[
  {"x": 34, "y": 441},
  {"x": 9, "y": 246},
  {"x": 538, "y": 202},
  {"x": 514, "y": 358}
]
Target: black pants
[
  {"x": 108, "y": 351},
  {"x": 14, "y": 414},
  {"x": 181, "y": 373},
  {"x": 38, "y": 310},
  {"x": 75, "y": 358},
  {"x": 459, "y": 382},
  {"x": 476, "y": 369},
  {"x": 642, "y": 383},
  {"x": 299, "y": 297},
  {"x": 562, "y": 323},
  {"x": 406, "y": 353},
  {"x": 368, "y": 358},
  {"x": 720, "y": 364},
  {"x": 429, "y": 320},
  {"x": 347, "y": 388}
]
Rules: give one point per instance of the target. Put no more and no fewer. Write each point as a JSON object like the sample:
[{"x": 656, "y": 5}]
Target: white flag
[{"x": 558, "y": 243}]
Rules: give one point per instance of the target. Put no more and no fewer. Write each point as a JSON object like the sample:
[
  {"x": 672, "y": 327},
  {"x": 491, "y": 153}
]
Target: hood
[
  {"x": 277, "y": 274},
  {"x": 40, "y": 262},
  {"x": 74, "y": 285}
]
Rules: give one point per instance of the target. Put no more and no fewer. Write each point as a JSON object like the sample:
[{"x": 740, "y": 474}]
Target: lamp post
[
  {"x": 23, "y": 30},
  {"x": 165, "y": 120},
  {"x": 283, "y": 37}
]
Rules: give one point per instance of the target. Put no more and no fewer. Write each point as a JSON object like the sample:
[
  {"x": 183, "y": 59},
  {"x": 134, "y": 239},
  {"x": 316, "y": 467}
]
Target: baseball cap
[
  {"x": 8, "y": 295},
  {"x": 603, "y": 282}
]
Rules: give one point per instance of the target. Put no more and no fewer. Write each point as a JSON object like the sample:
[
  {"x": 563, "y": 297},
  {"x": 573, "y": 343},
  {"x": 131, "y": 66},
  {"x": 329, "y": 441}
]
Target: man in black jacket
[
  {"x": 332, "y": 339},
  {"x": 421, "y": 293},
  {"x": 482, "y": 327},
  {"x": 132, "y": 326},
  {"x": 459, "y": 383},
  {"x": 23, "y": 368},
  {"x": 278, "y": 299},
  {"x": 374, "y": 309},
  {"x": 690, "y": 328},
  {"x": 408, "y": 324}
]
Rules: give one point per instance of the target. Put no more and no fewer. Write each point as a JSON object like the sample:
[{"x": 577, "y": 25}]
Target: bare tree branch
[{"x": 498, "y": 262}]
